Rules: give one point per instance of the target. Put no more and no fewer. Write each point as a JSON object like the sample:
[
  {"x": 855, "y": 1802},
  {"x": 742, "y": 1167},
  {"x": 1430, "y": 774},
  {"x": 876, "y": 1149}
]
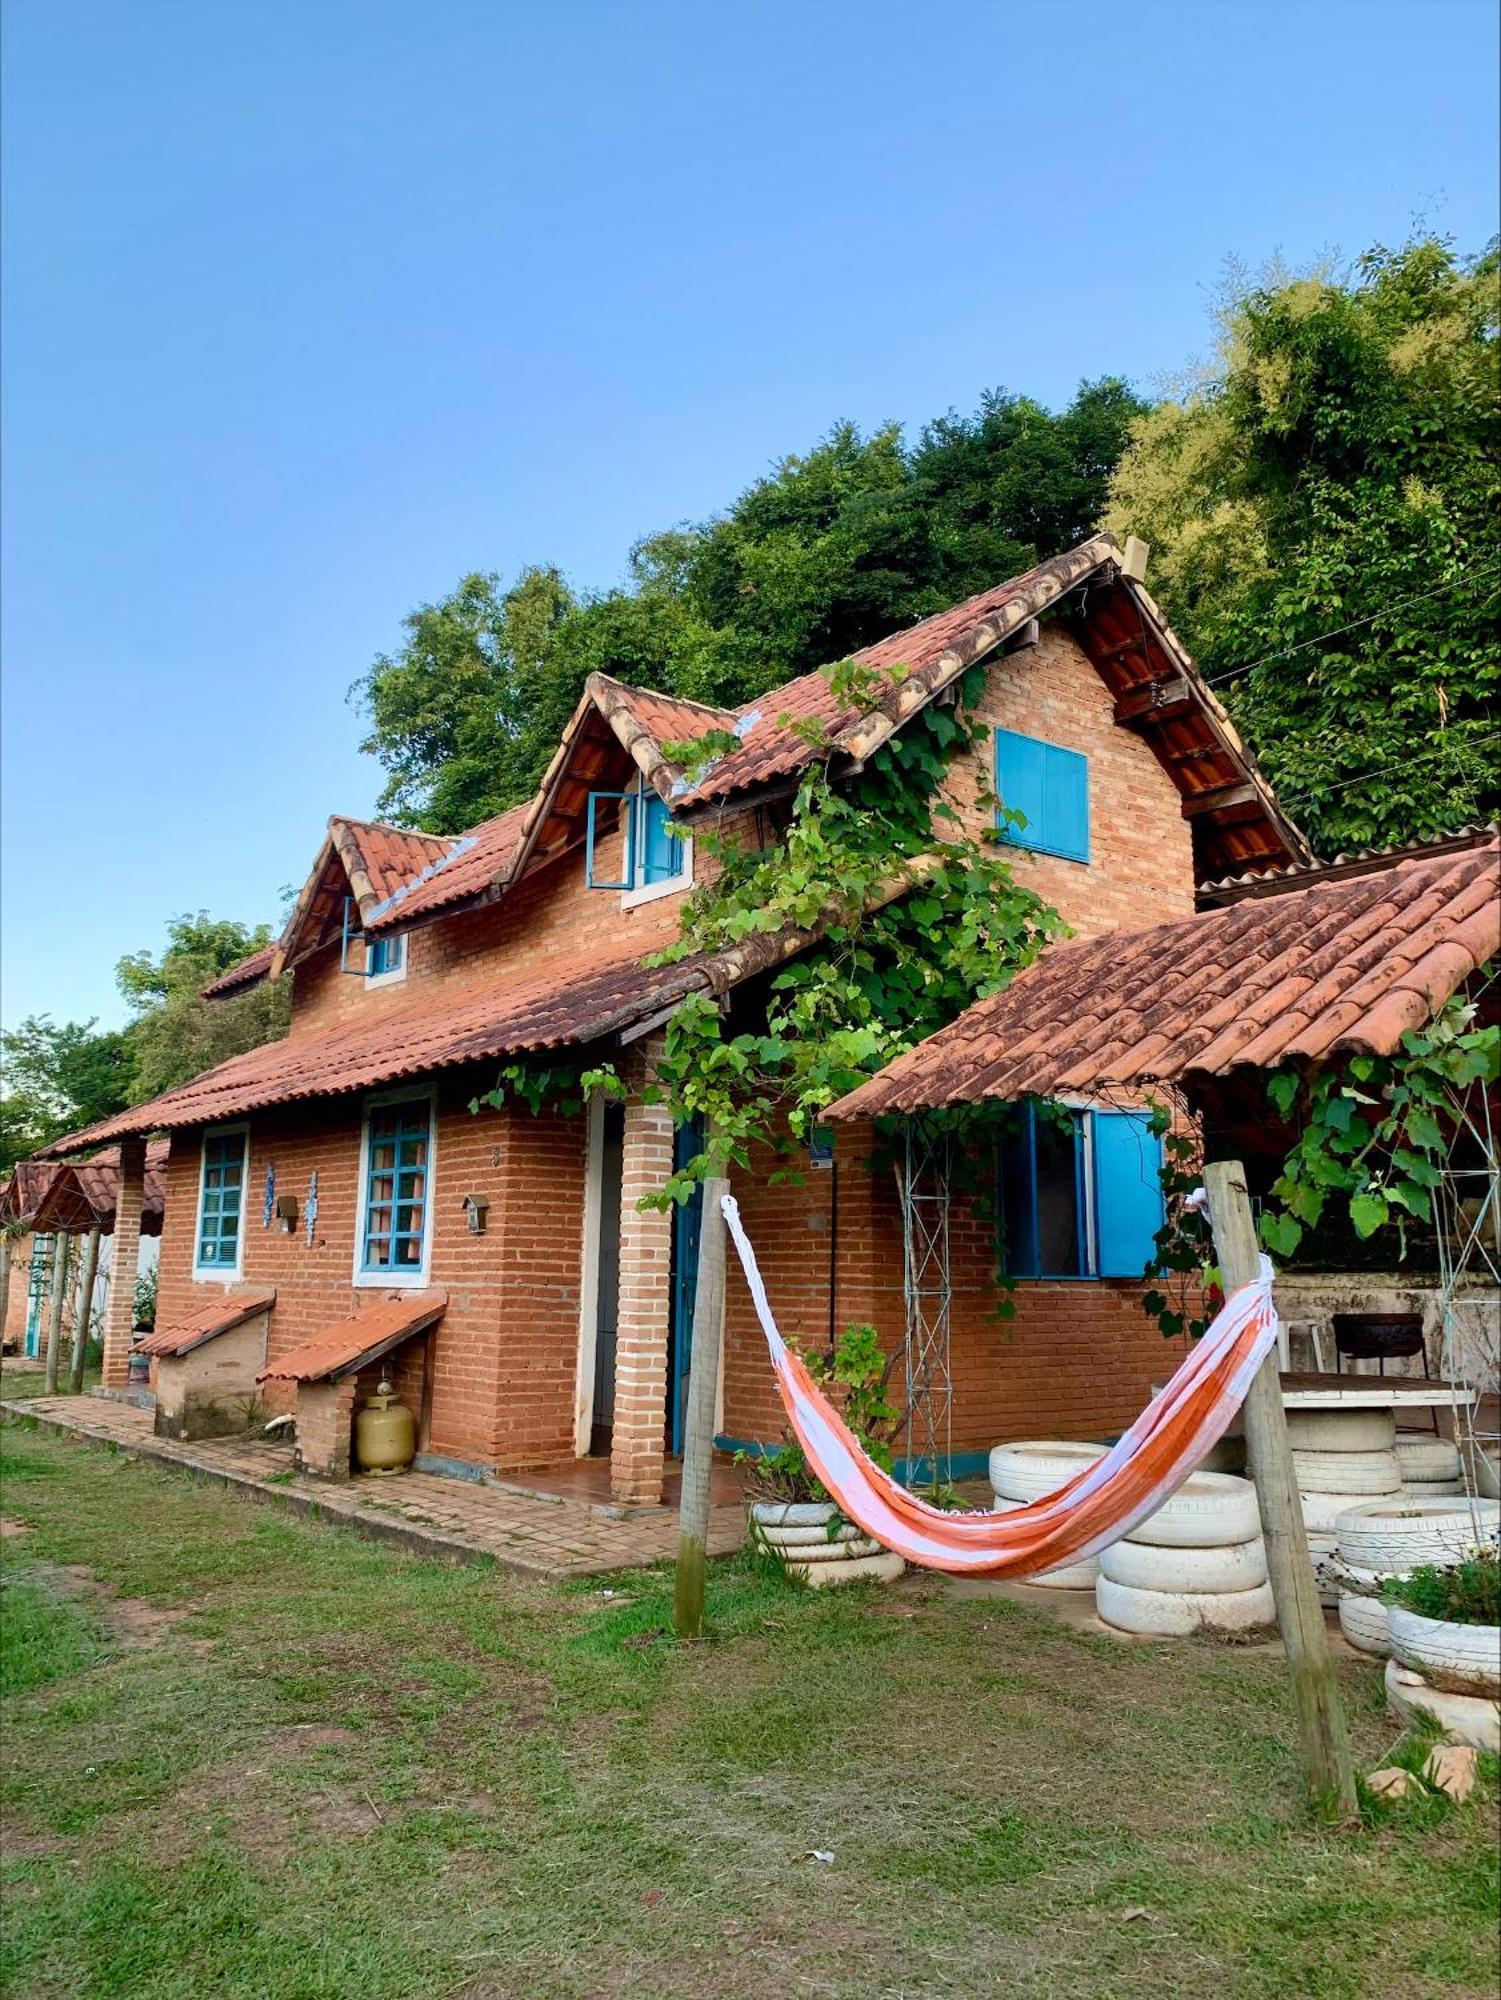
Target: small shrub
[{"x": 1464, "y": 1593}]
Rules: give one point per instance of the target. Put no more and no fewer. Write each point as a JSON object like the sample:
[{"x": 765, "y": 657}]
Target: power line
[
  {"x": 1285, "y": 652},
  {"x": 1319, "y": 791}
]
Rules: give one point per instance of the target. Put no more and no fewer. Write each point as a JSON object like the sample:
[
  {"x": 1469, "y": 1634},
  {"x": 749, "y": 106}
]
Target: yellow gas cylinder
[{"x": 385, "y": 1433}]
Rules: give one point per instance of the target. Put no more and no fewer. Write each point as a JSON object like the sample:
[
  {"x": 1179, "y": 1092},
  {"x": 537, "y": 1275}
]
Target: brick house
[{"x": 496, "y": 1261}]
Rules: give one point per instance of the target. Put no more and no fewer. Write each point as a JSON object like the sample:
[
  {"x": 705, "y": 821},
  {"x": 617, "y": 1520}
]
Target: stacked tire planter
[
  {"x": 1022, "y": 1473},
  {"x": 813, "y": 1541},
  {"x": 1429, "y": 1465},
  {"x": 1341, "y": 1460},
  {"x": 1392, "y": 1538},
  {"x": 1197, "y": 1564}
]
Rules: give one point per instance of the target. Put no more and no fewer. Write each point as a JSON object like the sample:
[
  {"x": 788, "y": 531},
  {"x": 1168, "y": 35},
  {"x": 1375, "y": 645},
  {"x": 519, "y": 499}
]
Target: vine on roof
[{"x": 913, "y": 918}]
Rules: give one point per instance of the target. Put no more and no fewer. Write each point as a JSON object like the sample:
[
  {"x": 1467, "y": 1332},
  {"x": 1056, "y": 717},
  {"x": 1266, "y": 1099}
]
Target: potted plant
[
  {"x": 1444, "y": 1629},
  {"x": 791, "y": 1514}
]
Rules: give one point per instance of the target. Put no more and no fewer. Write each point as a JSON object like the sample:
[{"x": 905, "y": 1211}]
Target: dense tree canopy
[
  {"x": 1322, "y": 520},
  {"x": 57, "y": 1078},
  {"x": 832, "y": 549}
]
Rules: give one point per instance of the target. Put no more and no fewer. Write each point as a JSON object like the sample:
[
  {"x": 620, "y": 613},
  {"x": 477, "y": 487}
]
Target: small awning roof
[
  {"x": 1323, "y": 968},
  {"x": 218, "y": 1316},
  {"x": 352, "y": 1344}
]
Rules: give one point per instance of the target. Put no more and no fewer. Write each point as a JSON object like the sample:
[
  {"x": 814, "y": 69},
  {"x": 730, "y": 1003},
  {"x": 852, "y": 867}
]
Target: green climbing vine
[
  {"x": 1374, "y": 1132},
  {"x": 911, "y": 918}
]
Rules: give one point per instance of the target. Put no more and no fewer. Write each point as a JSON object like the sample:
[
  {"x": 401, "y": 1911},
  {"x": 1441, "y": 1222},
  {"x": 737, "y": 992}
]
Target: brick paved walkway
[{"x": 542, "y": 1535}]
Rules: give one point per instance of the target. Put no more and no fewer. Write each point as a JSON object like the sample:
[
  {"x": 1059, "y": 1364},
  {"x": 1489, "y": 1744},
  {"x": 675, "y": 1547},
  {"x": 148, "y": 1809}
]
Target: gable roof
[
  {"x": 395, "y": 877},
  {"x": 1321, "y": 968},
  {"x": 240, "y": 977},
  {"x": 47, "y": 1195}
]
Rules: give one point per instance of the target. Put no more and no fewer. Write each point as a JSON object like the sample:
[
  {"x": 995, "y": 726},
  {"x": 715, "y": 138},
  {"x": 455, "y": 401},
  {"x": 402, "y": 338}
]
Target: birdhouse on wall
[
  {"x": 286, "y": 1214},
  {"x": 475, "y": 1210}
]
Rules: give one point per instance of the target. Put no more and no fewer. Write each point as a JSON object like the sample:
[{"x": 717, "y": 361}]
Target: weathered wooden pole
[
  {"x": 86, "y": 1284},
  {"x": 1321, "y": 1721},
  {"x": 61, "y": 1245},
  {"x": 698, "y": 1426},
  {"x": 7, "y": 1244}
]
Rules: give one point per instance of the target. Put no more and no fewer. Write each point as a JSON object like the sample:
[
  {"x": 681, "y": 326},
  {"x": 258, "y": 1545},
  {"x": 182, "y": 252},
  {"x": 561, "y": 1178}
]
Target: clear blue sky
[{"x": 312, "y": 305}]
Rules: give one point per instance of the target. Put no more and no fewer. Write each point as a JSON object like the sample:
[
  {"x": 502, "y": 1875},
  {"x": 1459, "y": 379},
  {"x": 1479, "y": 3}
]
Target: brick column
[
  {"x": 124, "y": 1260},
  {"x": 325, "y": 1420},
  {"x": 644, "y": 1319}
]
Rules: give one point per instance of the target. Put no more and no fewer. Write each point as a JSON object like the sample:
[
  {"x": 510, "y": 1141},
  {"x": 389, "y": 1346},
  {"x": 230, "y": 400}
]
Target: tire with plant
[{"x": 1393, "y": 1537}]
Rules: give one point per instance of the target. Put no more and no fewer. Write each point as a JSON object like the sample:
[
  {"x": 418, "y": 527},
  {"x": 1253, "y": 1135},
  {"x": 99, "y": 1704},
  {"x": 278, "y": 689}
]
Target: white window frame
[
  {"x": 398, "y": 973},
  {"x": 222, "y": 1273},
  {"x": 649, "y": 892},
  {"x": 408, "y": 1277}
]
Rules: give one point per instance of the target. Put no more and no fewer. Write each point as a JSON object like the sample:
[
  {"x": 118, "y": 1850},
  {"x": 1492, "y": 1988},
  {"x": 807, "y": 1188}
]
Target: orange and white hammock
[{"x": 1170, "y": 1438}]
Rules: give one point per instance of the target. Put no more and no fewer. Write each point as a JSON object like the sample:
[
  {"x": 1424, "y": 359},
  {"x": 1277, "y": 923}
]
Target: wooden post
[
  {"x": 86, "y": 1284},
  {"x": 1321, "y": 1722},
  {"x": 698, "y": 1426},
  {"x": 61, "y": 1245},
  {"x": 7, "y": 1243}
]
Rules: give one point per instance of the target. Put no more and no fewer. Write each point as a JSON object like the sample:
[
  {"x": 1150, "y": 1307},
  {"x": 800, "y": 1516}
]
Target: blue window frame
[
  {"x": 386, "y": 956},
  {"x": 1080, "y": 1192},
  {"x": 653, "y": 857},
  {"x": 1049, "y": 786},
  {"x": 221, "y": 1199},
  {"x": 398, "y": 1146}
]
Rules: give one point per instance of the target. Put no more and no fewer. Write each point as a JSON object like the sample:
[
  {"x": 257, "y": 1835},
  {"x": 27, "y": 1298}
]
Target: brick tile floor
[{"x": 542, "y": 1535}]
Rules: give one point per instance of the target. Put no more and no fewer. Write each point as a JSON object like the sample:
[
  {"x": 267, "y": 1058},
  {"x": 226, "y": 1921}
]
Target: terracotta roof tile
[
  {"x": 388, "y": 857},
  {"x": 249, "y": 972},
  {"x": 82, "y": 1194},
  {"x": 564, "y": 1002},
  {"x": 1348, "y": 964},
  {"x": 206, "y": 1322},
  {"x": 350, "y": 1344},
  {"x": 467, "y": 867}
]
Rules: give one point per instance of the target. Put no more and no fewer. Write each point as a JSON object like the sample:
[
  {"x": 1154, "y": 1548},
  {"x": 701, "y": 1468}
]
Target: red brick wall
[
  {"x": 1140, "y": 869},
  {"x": 504, "y": 1352}
]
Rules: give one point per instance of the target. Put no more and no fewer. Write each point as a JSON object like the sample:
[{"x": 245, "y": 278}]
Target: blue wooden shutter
[
  {"x": 1019, "y": 781},
  {"x": 1127, "y": 1191},
  {"x": 661, "y": 852},
  {"x": 1065, "y": 802},
  {"x": 1051, "y": 786}
]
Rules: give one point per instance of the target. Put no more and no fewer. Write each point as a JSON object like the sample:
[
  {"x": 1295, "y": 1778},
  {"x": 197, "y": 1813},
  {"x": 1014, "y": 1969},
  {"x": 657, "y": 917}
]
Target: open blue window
[
  {"x": 393, "y": 1235},
  {"x": 1049, "y": 786},
  {"x": 652, "y": 856},
  {"x": 1080, "y": 1192},
  {"x": 386, "y": 957}
]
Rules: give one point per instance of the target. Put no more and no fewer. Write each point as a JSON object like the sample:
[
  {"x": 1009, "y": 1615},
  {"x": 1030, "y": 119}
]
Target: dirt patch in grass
[{"x": 10, "y": 1530}]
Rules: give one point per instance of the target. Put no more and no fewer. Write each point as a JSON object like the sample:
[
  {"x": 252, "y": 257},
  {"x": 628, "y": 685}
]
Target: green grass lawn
[{"x": 251, "y": 1756}]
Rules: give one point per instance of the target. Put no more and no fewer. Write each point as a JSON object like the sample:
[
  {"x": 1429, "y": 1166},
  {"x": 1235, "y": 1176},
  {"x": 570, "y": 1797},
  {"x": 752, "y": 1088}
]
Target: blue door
[
  {"x": 687, "y": 1223},
  {"x": 38, "y": 1287}
]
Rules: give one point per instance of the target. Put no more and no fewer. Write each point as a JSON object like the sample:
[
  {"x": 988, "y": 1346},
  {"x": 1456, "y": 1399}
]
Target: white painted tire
[
  {"x": 1463, "y": 1718},
  {"x": 1393, "y": 1536},
  {"x": 1028, "y": 1470},
  {"x": 1341, "y": 1430},
  {"x": 822, "y": 1552},
  {"x": 1326, "y": 1567},
  {"x": 1144, "y": 1566},
  {"x": 811, "y": 1537},
  {"x": 1321, "y": 1511},
  {"x": 1426, "y": 1461},
  {"x": 882, "y": 1568},
  {"x": 1179, "y": 1613},
  {"x": 792, "y": 1513},
  {"x": 1073, "y": 1576},
  {"x": 1363, "y": 1473},
  {"x": 1463, "y": 1659},
  {"x": 1435, "y": 1489},
  {"x": 1210, "y": 1510},
  {"x": 1362, "y": 1619}
]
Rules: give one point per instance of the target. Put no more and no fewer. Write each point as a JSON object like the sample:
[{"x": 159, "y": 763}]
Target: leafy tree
[
  {"x": 1320, "y": 511},
  {"x": 834, "y": 548},
  {"x": 176, "y": 1033},
  {"x": 58, "y": 1076}
]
